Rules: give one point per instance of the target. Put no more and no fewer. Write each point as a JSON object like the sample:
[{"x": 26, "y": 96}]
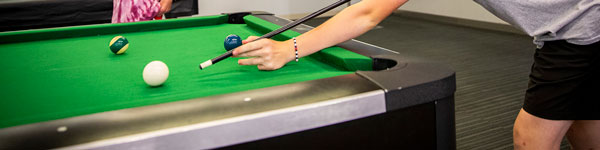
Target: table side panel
[
  {"x": 251, "y": 127},
  {"x": 114, "y": 124}
]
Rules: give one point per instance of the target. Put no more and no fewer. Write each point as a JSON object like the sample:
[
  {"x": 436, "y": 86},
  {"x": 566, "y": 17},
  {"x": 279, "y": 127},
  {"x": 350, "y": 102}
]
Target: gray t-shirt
[{"x": 576, "y": 21}]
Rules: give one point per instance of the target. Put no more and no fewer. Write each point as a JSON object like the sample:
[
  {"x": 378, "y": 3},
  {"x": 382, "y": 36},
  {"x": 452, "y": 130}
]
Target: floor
[{"x": 491, "y": 72}]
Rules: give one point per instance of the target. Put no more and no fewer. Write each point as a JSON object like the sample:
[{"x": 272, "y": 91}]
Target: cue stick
[{"x": 275, "y": 32}]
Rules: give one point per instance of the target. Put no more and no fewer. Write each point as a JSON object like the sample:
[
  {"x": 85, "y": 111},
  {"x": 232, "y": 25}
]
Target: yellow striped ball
[{"x": 118, "y": 45}]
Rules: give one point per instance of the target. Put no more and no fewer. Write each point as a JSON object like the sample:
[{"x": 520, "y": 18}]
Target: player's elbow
[
  {"x": 397, "y": 3},
  {"x": 385, "y": 4},
  {"x": 377, "y": 10},
  {"x": 391, "y": 5}
]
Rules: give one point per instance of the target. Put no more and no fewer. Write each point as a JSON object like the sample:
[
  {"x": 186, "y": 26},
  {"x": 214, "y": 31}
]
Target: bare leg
[
  {"x": 584, "y": 134},
  {"x": 531, "y": 132}
]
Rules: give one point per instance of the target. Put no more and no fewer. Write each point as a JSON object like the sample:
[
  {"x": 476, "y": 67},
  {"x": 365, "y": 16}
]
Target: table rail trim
[{"x": 251, "y": 127}]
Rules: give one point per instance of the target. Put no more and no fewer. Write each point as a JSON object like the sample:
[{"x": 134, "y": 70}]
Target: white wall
[
  {"x": 466, "y": 9},
  {"x": 283, "y": 8}
]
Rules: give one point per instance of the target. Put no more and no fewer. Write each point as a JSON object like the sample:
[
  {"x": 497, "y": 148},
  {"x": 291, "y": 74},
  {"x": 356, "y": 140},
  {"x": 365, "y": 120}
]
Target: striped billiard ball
[{"x": 118, "y": 45}]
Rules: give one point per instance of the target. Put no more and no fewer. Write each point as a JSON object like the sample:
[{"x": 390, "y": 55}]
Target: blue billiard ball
[{"x": 232, "y": 41}]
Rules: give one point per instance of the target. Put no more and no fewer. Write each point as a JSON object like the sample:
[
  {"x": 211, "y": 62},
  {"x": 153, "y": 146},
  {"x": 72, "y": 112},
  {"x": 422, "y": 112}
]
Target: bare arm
[{"x": 349, "y": 23}]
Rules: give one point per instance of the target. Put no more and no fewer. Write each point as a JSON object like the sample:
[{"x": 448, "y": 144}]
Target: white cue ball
[{"x": 155, "y": 73}]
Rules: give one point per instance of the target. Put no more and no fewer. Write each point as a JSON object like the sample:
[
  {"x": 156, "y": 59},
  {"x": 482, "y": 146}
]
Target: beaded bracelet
[{"x": 296, "y": 48}]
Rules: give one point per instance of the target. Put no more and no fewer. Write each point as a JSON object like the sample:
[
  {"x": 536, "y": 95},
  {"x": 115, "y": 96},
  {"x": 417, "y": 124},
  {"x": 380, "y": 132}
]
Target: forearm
[
  {"x": 353, "y": 21},
  {"x": 349, "y": 23}
]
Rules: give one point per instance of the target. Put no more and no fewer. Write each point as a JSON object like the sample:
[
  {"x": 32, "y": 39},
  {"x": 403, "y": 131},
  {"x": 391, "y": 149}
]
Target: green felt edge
[
  {"x": 348, "y": 60},
  {"x": 102, "y": 29}
]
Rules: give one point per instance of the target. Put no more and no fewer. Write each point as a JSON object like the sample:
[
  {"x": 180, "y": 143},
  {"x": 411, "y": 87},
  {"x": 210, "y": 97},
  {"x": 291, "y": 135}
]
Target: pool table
[{"x": 63, "y": 88}]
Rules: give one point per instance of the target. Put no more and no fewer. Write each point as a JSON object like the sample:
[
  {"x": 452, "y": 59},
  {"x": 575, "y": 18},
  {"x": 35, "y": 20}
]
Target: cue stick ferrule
[
  {"x": 215, "y": 60},
  {"x": 205, "y": 64},
  {"x": 275, "y": 32}
]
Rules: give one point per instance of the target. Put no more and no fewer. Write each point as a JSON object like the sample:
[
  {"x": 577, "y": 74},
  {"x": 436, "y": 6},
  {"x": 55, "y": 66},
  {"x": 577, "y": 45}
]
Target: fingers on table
[{"x": 249, "y": 47}]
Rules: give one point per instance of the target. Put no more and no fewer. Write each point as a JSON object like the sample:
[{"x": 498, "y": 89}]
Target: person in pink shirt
[{"x": 139, "y": 10}]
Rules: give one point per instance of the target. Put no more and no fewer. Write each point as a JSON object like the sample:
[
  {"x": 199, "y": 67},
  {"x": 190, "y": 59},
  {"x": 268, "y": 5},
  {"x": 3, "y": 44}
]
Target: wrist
[{"x": 289, "y": 52}]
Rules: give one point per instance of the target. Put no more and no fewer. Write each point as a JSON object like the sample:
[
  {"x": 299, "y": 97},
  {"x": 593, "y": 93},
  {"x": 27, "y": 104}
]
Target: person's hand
[
  {"x": 266, "y": 54},
  {"x": 165, "y": 6}
]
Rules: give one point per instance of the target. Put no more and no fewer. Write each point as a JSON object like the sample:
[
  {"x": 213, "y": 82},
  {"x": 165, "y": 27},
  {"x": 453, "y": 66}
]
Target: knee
[{"x": 519, "y": 141}]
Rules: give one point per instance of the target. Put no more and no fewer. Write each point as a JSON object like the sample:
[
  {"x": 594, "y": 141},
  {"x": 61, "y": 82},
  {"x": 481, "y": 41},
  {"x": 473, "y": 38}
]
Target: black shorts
[{"x": 564, "y": 83}]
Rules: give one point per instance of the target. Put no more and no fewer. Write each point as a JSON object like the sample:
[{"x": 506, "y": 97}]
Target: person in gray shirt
[{"x": 561, "y": 98}]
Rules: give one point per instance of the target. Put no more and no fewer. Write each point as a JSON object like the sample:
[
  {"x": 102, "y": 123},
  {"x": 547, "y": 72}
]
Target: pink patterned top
[{"x": 134, "y": 10}]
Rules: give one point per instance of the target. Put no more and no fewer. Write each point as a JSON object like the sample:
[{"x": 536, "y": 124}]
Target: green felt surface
[{"x": 47, "y": 75}]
